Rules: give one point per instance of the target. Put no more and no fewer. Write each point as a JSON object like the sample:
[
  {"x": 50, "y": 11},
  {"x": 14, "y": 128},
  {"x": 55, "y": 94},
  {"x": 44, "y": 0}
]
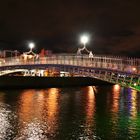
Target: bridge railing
[{"x": 112, "y": 63}]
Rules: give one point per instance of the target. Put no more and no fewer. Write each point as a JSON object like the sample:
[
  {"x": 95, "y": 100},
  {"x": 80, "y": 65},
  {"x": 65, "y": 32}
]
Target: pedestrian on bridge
[{"x": 90, "y": 55}]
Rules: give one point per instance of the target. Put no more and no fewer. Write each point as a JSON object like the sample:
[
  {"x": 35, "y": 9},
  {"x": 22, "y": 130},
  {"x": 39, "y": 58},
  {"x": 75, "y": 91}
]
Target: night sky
[{"x": 113, "y": 25}]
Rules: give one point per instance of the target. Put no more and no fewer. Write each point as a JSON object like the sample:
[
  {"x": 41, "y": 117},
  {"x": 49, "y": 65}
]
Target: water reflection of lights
[
  {"x": 94, "y": 89},
  {"x": 40, "y": 94},
  {"x": 115, "y": 97},
  {"x": 52, "y": 108},
  {"x": 133, "y": 110},
  {"x": 90, "y": 109},
  {"x": 116, "y": 88},
  {"x": 41, "y": 104},
  {"x": 91, "y": 99},
  {"x": 33, "y": 131},
  {"x": 115, "y": 100},
  {"x": 90, "y": 102},
  {"x": 27, "y": 103},
  {"x": 6, "y": 129}
]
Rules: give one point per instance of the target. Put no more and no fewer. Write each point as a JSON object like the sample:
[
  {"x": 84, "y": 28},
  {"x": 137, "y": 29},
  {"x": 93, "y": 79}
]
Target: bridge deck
[{"x": 124, "y": 71}]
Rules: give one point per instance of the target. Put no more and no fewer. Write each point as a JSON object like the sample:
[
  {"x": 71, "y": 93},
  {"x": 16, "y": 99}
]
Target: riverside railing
[{"x": 104, "y": 62}]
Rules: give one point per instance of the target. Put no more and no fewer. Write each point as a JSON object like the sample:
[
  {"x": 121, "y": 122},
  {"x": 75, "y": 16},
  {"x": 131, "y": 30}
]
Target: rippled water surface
[{"x": 82, "y": 113}]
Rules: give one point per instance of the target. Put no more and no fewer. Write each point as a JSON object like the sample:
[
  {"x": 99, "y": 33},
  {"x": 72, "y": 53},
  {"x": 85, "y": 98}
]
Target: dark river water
[{"x": 82, "y": 113}]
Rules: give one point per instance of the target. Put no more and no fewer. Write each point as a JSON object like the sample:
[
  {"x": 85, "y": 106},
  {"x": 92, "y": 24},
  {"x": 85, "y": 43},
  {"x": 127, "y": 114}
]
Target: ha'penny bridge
[{"x": 117, "y": 70}]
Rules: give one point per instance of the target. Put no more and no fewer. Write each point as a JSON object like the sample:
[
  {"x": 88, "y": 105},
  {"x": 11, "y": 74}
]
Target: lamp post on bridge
[
  {"x": 30, "y": 55},
  {"x": 84, "y": 39},
  {"x": 31, "y": 46}
]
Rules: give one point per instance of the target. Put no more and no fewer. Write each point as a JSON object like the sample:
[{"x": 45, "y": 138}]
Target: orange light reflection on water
[
  {"x": 133, "y": 110},
  {"x": 52, "y": 105},
  {"x": 114, "y": 109},
  {"x": 115, "y": 99},
  {"x": 26, "y": 108},
  {"x": 89, "y": 110},
  {"x": 38, "y": 111},
  {"x": 133, "y": 113},
  {"x": 90, "y": 102}
]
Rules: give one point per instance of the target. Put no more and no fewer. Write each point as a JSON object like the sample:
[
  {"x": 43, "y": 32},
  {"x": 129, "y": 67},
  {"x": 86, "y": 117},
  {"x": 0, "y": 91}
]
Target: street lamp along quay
[{"x": 84, "y": 39}]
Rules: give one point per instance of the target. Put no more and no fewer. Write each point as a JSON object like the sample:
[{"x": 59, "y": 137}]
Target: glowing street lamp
[
  {"x": 31, "y": 46},
  {"x": 84, "y": 39}
]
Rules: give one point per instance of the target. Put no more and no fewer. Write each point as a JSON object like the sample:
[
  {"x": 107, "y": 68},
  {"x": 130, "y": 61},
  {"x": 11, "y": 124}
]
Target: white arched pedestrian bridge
[{"x": 117, "y": 70}]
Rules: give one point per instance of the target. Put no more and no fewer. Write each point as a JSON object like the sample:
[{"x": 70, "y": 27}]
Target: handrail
[{"x": 112, "y": 63}]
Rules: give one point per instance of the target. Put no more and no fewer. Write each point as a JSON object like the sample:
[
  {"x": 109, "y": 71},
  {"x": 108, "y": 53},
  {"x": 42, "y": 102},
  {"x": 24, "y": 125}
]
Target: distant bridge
[{"x": 116, "y": 70}]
